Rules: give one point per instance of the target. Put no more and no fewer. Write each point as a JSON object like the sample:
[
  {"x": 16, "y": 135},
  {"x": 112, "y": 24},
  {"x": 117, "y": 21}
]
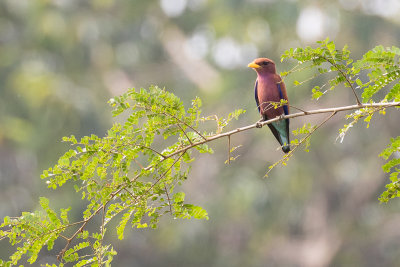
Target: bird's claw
[{"x": 259, "y": 124}]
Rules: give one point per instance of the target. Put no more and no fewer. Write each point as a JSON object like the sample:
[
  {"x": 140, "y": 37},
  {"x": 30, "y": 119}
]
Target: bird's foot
[
  {"x": 281, "y": 116},
  {"x": 259, "y": 124}
]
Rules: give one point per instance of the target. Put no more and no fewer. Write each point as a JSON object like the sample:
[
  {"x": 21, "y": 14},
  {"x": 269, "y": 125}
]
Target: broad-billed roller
[{"x": 269, "y": 90}]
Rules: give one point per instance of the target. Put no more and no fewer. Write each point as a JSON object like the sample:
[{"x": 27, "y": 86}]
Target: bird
[{"x": 270, "y": 88}]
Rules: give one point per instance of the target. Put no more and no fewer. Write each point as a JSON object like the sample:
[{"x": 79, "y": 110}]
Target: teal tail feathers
[
  {"x": 286, "y": 148},
  {"x": 280, "y": 130}
]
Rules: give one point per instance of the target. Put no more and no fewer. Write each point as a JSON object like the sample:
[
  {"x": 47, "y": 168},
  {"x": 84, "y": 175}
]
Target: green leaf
[
  {"x": 316, "y": 93},
  {"x": 330, "y": 46},
  {"x": 391, "y": 164},
  {"x": 394, "y": 93},
  {"x": 179, "y": 197},
  {"x": 196, "y": 211},
  {"x": 71, "y": 254},
  {"x": 121, "y": 226}
]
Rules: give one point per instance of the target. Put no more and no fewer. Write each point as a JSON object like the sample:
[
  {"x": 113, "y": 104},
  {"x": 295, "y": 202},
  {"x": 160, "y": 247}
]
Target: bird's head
[{"x": 263, "y": 65}]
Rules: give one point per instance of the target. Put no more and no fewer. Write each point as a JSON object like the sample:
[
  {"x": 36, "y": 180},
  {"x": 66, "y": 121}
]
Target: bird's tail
[
  {"x": 286, "y": 148},
  {"x": 285, "y": 143},
  {"x": 282, "y": 135}
]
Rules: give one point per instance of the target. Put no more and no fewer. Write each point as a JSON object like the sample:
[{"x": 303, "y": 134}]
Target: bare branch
[
  {"x": 168, "y": 198},
  {"x": 294, "y": 115},
  {"x": 229, "y": 149},
  {"x": 149, "y": 148},
  {"x": 187, "y": 137}
]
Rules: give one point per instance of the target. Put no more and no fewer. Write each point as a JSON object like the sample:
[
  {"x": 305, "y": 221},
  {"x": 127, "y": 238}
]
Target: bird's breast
[{"x": 268, "y": 92}]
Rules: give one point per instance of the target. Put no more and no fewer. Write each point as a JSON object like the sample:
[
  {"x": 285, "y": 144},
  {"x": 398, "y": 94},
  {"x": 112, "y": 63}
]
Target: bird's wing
[
  {"x": 282, "y": 95},
  {"x": 256, "y": 95}
]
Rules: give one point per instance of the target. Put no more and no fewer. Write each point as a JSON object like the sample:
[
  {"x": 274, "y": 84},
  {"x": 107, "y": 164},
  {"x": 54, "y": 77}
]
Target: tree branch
[{"x": 294, "y": 115}]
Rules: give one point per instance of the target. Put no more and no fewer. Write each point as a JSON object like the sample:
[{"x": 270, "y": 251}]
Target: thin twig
[
  {"x": 129, "y": 192},
  {"x": 99, "y": 258},
  {"x": 301, "y": 141},
  {"x": 229, "y": 149},
  {"x": 149, "y": 148},
  {"x": 272, "y": 104},
  {"x": 84, "y": 223},
  {"x": 181, "y": 121},
  {"x": 168, "y": 198},
  {"x": 165, "y": 173},
  {"x": 344, "y": 76},
  {"x": 180, "y": 127}
]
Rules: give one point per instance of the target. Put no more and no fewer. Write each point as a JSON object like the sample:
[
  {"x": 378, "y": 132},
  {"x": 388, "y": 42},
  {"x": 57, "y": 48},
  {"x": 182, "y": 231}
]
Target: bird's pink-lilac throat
[{"x": 269, "y": 88}]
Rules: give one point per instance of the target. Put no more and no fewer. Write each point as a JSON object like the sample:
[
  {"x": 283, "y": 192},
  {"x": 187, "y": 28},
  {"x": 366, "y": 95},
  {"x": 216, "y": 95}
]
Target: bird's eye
[{"x": 265, "y": 62}]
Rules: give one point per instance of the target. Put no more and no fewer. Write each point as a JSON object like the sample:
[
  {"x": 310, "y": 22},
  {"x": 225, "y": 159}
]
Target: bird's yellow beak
[{"x": 253, "y": 65}]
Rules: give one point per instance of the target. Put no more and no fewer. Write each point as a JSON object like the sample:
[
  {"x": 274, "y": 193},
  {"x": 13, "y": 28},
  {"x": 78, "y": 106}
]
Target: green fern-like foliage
[
  {"x": 392, "y": 154},
  {"x": 123, "y": 174},
  {"x": 377, "y": 71}
]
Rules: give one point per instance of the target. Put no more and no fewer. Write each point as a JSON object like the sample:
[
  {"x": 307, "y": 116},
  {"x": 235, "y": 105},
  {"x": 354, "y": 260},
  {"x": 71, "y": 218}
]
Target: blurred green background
[{"x": 61, "y": 60}]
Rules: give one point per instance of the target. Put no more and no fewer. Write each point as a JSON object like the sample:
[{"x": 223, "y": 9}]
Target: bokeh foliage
[
  {"x": 123, "y": 177},
  {"x": 62, "y": 60}
]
